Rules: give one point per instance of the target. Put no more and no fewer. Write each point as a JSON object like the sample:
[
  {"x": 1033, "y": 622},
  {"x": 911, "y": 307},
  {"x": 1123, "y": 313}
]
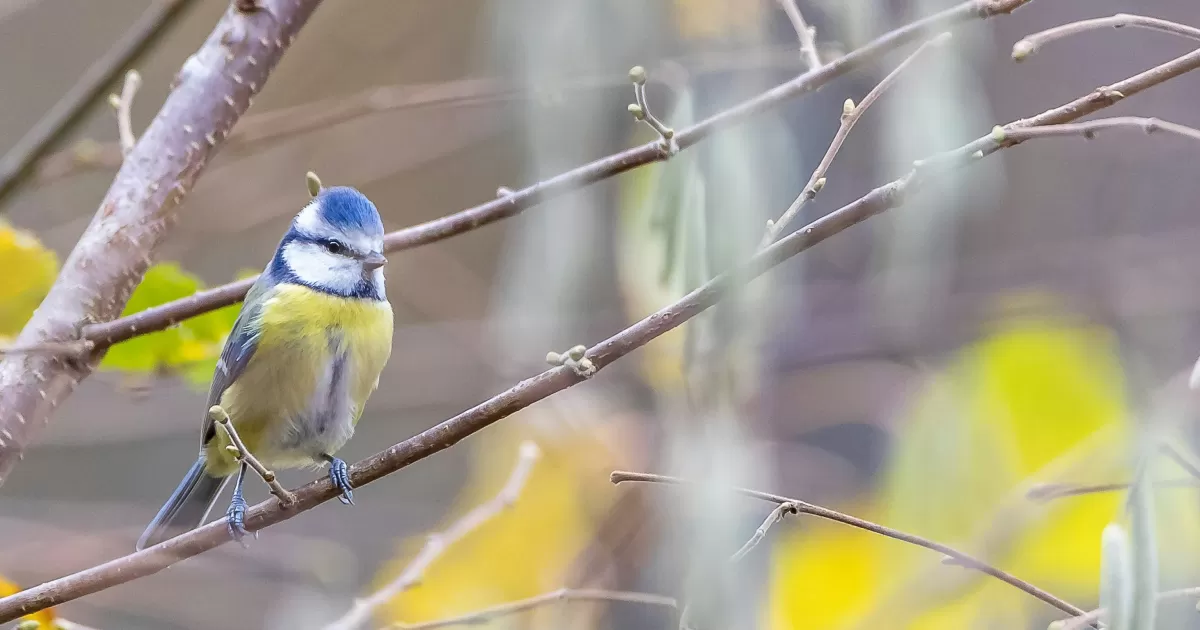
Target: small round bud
[
  {"x": 586, "y": 365},
  {"x": 577, "y": 352},
  {"x": 636, "y": 110},
  {"x": 637, "y": 74},
  {"x": 218, "y": 412},
  {"x": 114, "y": 102},
  {"x": 554, "y": 358},
  {"x": 233, "y": 449},
  {"x": 668, "y": 133},
  {"x": 818, "y": 185},
  {"x": 848, "y": 107},
  {"x": 313, "y": 182},
  {"x": 28, "y": 624},
  {"x": 998, "y": 134},
  {"x": 1022, "y": 49}
]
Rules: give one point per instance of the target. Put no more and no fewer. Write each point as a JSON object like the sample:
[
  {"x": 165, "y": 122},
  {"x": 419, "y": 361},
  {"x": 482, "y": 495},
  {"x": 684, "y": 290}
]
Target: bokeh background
[{"x": 1022, "y": 323}]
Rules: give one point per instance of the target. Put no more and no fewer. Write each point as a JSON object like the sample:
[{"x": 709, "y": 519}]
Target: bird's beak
[{"x": 373, "y": 261}]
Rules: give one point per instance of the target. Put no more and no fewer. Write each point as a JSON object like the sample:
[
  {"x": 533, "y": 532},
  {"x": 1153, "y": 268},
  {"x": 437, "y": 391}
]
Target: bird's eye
[{"x": 334, "y": 247}]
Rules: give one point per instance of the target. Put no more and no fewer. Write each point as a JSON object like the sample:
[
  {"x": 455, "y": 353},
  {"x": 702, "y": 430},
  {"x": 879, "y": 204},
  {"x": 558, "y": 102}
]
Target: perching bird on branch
[{"x": 303, "y": 357}]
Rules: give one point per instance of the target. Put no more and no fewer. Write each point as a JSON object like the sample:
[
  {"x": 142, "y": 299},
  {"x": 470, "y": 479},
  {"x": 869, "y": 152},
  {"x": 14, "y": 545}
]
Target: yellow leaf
[
  {"x": 30, "y": 270},
  {"x": 526, "y": 549},
  {"x": 1037, "y": 400}
]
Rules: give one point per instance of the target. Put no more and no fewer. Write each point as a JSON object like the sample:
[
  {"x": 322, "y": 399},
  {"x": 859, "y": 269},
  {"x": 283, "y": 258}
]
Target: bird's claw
[
  {"x": 339, "y": 474},
  {"x": 236, "y": 515}
]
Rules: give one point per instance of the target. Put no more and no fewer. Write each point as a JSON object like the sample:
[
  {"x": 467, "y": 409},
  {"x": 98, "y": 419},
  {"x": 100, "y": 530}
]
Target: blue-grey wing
[{"x": 239, "y": 348}]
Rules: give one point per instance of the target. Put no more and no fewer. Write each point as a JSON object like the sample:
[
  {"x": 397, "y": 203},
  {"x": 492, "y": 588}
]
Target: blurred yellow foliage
[
  {"x": 527, "y": 549},
  {"x": 45, "y": 617},
  {"x": 192, "y": 347},
  {"x": 30, "y": 270},
  {"x": 721, "y": 19},
  {"x": 1035, "y": 401}
]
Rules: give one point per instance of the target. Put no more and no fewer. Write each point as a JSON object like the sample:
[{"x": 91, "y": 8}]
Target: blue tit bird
[{"x": 304, "y": 355}]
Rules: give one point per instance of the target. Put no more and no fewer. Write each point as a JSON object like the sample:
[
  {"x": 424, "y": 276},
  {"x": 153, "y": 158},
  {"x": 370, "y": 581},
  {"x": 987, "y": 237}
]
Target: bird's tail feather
[{"x": 187, "y": 508}]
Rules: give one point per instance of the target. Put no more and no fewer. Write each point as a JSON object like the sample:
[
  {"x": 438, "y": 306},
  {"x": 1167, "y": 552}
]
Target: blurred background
[{"x": 1028, "y": 321}]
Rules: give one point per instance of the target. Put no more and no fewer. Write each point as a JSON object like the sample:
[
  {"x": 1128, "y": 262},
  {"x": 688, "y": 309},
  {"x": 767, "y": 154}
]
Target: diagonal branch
[
  {"x": 213, "y": 89},
  {"x": 803, "y": 507},
  {"x": 851, "y": 114},
  {"x": 218, "y": 414},
  {"x": 69, "y": 110},
  {"x": 805, "y": 33},
  {"x": 437, "y": 544},
  {"x": 513, "y": 203},
  {"x": 561, "y": 595},
  {"x": 531, "y": 390}
]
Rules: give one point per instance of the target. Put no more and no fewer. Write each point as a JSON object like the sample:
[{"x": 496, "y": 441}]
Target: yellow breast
[{"x": 301, "y": 330}]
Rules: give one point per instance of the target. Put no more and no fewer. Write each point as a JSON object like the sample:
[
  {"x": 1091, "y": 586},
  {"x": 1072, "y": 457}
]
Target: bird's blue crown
[{"x": 326, "y": 243}]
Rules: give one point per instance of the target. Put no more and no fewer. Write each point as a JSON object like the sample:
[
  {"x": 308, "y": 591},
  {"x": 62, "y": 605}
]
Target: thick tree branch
[
  {"x": 531, "y": 390},
  {"x": 61, "y": 118},
  {"x": 513, "y": 203},
  {"x": 213, "y": 89},
  {"x": 802, "y": 507}
]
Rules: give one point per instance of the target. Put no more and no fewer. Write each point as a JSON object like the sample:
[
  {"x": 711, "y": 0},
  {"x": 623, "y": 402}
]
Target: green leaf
[
  {"x": 191, "y": 348},
  {"x": 32, "y": 269}
]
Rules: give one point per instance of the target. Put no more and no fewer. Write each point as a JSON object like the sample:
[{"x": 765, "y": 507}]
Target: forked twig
[
  {"x": 776, "y": 515},
  {"x": 803, "y": 507},
  {"x": 851, "y": 114},
  {"x": 123, "y": 105},
  {"x": 218, "y": 414},
  {"x": 805, "y": 33}
]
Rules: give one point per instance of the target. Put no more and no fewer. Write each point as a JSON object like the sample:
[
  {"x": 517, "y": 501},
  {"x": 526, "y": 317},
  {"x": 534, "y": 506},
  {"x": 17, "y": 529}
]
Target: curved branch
[
  {"x": 1032, "y": 43},
  {"x": 803, "y": 507},
  {"x": 513, "y": 203},
  {"x": 213, "y": 89},
  {"x": 531, "y": 390}
]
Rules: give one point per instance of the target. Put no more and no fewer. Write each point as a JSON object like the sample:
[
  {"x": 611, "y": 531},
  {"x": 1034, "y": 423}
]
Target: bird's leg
[
  {"x": 339, "y": 474},
  {"x": 236, "y": 514}
]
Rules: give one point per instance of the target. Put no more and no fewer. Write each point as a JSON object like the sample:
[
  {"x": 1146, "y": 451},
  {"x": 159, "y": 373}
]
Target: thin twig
[
  {"x": 775, "y": 516},
  {"x": 805, "y": 33},
  {"x": 69, "y": 110},
  {"x": 212, "y": 90},
  {"x": 218, "y": 414},
  {"x": 515, "y": 202},
  {"x": 438, "y": 543},
  {"x": 561, "y": 595},
  {"x": 803, "y": 507},
  {"x": 57, "y": 348},
  {"x": 1032, "y": 43},
  {"x": 1052, "y": 491},
  {"x": 1088, "y": 129},
  {"x": 851, "y": 114},
  {"x": 124, "y": 106}
]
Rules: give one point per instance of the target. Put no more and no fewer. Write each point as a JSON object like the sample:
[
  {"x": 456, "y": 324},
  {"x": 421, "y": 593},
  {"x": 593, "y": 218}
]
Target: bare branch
[
  {"x": 123, "y": 104},
  {"x": 805, "y": 33},
  {"x": 1089, "y": 128},
  {"x": 776, "y": 515},
  {"x": 1032, "y": 43},
  {"x": 69, "y": 110},
  {"x": 438, "y": 543},
  {"x": 515, "y": 202},
  {"x": 803, "y": 507},
  {"x": 218, "y": 414},
  {"x": 213, "y": 89},
  {"x": 59, "y": 348},
  {"x": 561, "y": 595},
  {"x": 1052, "y": 491},
  {"x": 851, "y": 114}
]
